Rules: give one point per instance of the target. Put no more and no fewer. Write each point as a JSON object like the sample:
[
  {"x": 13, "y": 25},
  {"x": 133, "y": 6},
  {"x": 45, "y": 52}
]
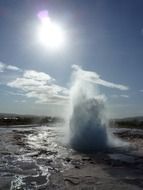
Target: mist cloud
[{"x": 93, "y": 77}]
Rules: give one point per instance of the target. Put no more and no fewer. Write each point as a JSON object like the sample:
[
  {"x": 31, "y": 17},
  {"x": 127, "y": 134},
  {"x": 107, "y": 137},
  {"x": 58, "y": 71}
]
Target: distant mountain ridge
[
  {"x": 137, "y": 118},
  {"x": 19, "y": 115}
]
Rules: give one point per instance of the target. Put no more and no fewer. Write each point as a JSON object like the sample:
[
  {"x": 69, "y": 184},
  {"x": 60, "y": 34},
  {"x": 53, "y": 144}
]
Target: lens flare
[{"x": 50, "y": 34}]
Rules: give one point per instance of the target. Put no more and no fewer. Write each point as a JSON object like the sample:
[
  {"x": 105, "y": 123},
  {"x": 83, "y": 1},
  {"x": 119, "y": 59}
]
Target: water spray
[{"x": 88, "y": 124}]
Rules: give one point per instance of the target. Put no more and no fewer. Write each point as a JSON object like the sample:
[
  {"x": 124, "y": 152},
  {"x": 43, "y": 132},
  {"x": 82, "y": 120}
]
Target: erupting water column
[
  {"x": 87, "y": 121},
  {"x": 88, "y": 125}
]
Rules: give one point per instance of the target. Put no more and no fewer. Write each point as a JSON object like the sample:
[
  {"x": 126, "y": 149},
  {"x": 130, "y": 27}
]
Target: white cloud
[
  {"x": 1, "y": 67},
  {"x": 39, "y": 76},
  {"x": 4, "y": 67},
  {"x": 40, "y": 86},
  {"x": 43, "y": 88},
  {"x": 13, "y": 68},
  {"x": 124, "y": 96},
  {"x": 20, "y": 101},
  {"x": 95, "y": 78},
  {"x": 121, "y": 95},
  {"x": 112, "y": 85}
]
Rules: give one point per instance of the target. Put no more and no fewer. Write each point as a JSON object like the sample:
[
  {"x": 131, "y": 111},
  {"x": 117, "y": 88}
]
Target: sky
[{"x": 102, "y": 36}]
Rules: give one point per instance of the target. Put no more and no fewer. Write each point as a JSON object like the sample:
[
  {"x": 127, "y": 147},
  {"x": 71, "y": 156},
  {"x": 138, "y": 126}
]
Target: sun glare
[{"x": 51, "y": 35}]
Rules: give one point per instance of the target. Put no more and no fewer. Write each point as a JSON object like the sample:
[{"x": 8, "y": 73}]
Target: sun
[{"x": 50, "y": 34}]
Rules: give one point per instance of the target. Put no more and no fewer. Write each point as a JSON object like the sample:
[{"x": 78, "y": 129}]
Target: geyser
[
  {"x": 88, "y": 132},
  {"x": 88, "y": 123}
]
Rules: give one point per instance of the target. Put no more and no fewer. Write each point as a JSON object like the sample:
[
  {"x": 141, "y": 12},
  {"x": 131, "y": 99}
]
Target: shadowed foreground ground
[{"x": 33, "y": 158}]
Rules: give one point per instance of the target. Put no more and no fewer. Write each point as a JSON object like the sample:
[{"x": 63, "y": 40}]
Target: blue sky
[{"x": 103, "y": 36}]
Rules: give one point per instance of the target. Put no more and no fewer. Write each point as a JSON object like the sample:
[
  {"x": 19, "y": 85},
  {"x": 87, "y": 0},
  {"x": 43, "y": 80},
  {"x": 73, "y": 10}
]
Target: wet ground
[{"x": 34, "y": 158}]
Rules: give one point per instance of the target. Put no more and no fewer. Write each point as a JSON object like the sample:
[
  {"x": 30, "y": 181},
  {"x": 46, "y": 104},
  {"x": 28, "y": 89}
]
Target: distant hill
[
  {"x": 16, "y": 115},
  {"x": 130, "y": 122},
  {"x": 8, "y": 119},
  {"x": 137, "y": 118}
]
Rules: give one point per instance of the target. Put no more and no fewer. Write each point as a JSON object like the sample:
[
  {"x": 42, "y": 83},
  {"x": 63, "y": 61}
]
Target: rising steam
[{"x": 88, "y": 123}]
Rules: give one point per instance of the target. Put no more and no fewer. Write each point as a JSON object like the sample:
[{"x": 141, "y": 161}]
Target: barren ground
[{"x": 33, "y": 158}]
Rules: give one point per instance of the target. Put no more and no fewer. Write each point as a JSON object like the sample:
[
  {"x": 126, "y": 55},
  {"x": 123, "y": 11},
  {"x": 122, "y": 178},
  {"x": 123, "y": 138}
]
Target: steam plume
[{"x": 88, "y": 122}]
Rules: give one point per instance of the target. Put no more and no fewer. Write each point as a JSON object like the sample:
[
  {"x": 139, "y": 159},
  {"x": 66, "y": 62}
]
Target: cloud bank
[
  {"x": 40, "y": 86},
  {"x": 44, "y": 89}
]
